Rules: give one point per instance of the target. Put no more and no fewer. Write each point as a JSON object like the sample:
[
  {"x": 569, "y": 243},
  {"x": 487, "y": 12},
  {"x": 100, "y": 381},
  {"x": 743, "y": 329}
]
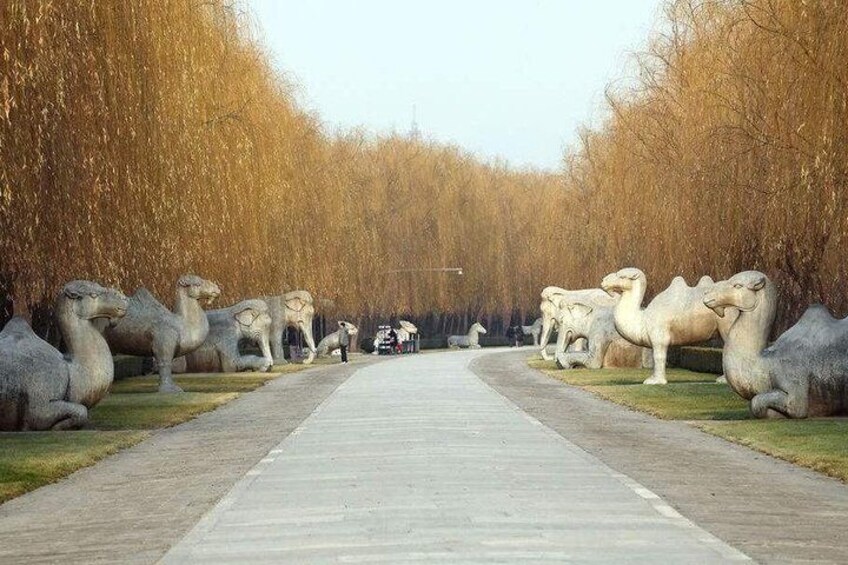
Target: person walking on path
[{"x": 344, "y": 341}]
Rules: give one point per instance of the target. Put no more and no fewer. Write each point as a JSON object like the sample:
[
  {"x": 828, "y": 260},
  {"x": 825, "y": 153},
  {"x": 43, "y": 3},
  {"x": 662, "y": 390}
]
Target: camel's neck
[
  {"x": 91, "y": 366},
  {"x": 629, "y": 319},
  {"x": 195, "y": 322},
  {"x": 742, "y": 361}
]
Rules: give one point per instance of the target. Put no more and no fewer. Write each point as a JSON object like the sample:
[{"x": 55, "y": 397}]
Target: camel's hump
[
  {"x": 19, "y": 343},
  {"x": 144, "y": 301},
  {"x": 817, "y": 330}
]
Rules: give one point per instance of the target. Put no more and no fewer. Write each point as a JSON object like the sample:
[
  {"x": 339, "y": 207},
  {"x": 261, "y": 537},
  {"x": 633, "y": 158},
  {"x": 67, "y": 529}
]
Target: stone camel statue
[
  {"x": 330, "y": 342},
  {"x": 41, "y": 389},
  {"x": 471, "y": 340},
  {"x": 151, "y": 329},
  {"x": 676, "y": 316},
  {"x": 596, "y": 324},
  {"x": 535, "y": 329},
  {"x": 294, "y": 309},
  {"x": 804, "y": 373},
  {"x": 248, "y": 320},
  {"x": 551, "y": 297}
]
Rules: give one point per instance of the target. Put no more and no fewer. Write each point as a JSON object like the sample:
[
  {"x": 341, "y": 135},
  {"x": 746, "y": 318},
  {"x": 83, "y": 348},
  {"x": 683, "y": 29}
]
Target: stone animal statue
[
  {"x": 804, "y": 373},
  {"x": 676, "y": 316},
  {"x": 151, "y": 329},
  {"x": 535, "y": 329},
  {"x": 248, "y": 320},
  {"x": 404, "y": 333},
  {"x": 330, "y": 342},
  {"x": 294, "y": 309},
  {"x": 552, "y": 296},
  {"x": 596, "y": 324},
  {"x": 470, "y": 340},
  {"x": 41, "y": 389}
]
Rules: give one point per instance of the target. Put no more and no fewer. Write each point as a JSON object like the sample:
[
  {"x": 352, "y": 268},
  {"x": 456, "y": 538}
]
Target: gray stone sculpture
[
  {"x": 804, "y": 373},
  {"x": 248, "y": 320},
  {"x": 330, "y": 342},
  {"x": 552, "y": 296},
  {"x": 676, "y": 316},
  {"x": 151, "y": 329},
  {"x": 41, "y": 389},
  {"x": 470, "y": 340},
  {"x": 535, "y": 330},
  {"x": 294, "y": 309},
  {"x": 595, "y": 323}
]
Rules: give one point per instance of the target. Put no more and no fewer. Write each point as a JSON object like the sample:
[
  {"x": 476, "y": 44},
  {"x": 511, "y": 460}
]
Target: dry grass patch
[
  {"x": 817, "y": 444},
  {"x": 145, "y": 411},
  {"x": 29, "y": 460}
]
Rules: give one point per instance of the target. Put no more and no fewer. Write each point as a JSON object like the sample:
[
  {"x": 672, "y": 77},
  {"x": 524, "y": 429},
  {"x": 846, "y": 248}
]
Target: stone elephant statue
[
  {"x": 295, "y": 309},
  {"x": 248, "y": 320}
]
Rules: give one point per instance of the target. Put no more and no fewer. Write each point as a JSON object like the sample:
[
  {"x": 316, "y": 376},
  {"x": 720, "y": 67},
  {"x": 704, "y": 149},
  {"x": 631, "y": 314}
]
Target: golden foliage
[{"x": 146, "y": 139}]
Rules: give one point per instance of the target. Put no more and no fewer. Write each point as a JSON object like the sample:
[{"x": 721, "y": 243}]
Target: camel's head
[
  {"x": 90, "y": 301},
  {"x": 574, "y": 319},
  {"x": 623, "y": 280},
  {"x": 351, "y": 329},
  {"x": 478, "y": 327},
  {"x": 742, "y": 291},
  {"x": 254, "y": 323},
  {"x": 199, "y": 289}
]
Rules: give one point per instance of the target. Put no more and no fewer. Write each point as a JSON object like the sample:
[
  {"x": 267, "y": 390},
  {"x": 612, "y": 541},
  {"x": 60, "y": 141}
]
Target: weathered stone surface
[
  {"x": 676, "y": 316},
  {"x": 151, "y": 329},
  {"x": 552, "y": 296},
  {"x": 331, "y": 341},
  {"x": 294, "y": 309},
  {"x": 40, "y": 389},
  {"x": 596, "y": 324},
  {"x": 470, "y": 340},
  {"x": 804, "y": 373},
  {"x": 248, "y": 320}
]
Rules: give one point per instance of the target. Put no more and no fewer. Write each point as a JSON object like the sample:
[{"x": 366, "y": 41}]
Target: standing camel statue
[
  {"x": 151, "y": 329},
  {"x": 804, "y": 373},
  {"x": 676, "y": 316},
  {"x": 470, "y": 341},
  {"x": 41, "y": 389}
]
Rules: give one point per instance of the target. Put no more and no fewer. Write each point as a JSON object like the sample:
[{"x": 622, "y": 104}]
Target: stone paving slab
[
  {"x": 772, "y": 510},
  {"x": 133, "y": 506},
  {"x": 418, "y": 461}
]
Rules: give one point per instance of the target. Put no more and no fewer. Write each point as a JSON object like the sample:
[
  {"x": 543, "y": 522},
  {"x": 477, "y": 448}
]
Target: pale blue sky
[{"x": 502, "y": 78}]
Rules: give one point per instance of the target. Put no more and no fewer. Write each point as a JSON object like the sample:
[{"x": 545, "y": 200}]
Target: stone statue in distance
[{"x": 469, "y": 341}]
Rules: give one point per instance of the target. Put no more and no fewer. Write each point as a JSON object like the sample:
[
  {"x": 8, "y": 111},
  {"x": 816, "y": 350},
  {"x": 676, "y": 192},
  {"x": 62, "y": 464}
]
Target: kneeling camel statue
[
  {"x": 804, "y": 373},
  {"x": 41, "y": 389}
]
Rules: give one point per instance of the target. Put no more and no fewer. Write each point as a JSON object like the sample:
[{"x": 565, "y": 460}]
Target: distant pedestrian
[{"x": 344, "y": 341}]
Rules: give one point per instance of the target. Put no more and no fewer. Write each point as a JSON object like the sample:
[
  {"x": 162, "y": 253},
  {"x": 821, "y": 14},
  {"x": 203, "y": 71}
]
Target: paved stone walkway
[
  {"x": 772, "y": 510},
  {"x": 416, "y": 460},
  {"x": 133, "y": 506}
]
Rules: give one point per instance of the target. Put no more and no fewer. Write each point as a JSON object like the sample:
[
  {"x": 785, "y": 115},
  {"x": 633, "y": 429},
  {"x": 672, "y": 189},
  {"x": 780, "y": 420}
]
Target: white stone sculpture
[
  {"x": 331, "y": 343},
  {"x": 294, "y": 309},
  {"x": 552, "y": 296},
  {"x": 248, "y": 320},
  {"x": 804, "y": 373},
  {"x": 471, "y": 340},
  {"x": 151, "y": 329},
  {"x": 41, "y": 389},
  {"x": 595, "y": 323},
  {"x": 535, "y": 330},
  {"x": 676, "y": 316}
]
